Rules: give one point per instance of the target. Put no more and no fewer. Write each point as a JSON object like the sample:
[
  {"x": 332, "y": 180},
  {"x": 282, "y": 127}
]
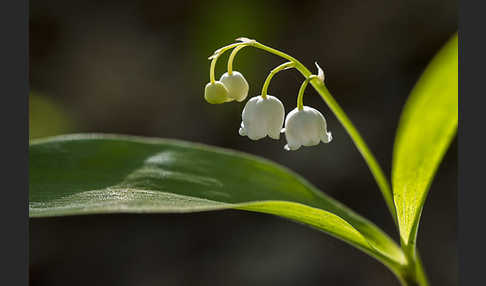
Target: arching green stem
[
  {"x": 211, "y": 69},
  {"x": 214, "y": 57},
  {"x": 300, "y": 97},
  {"x": 220, "y": 51},
  {"x": 232, "y": 57},
  {"x": 281, "y": 67}
]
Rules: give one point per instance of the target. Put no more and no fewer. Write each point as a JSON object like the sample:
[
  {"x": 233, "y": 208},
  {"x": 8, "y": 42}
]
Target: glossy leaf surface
[
  {"x": 427, "y": 126},
  {"x": 93, "y": 174}
]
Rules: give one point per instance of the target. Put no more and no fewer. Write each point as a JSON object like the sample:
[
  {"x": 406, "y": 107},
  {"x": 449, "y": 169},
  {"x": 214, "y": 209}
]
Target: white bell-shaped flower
[
  {"x": 236, "y": 84},
  {"x": 216, "y": 92},
  {"x": 262, "y": 117},
  {"x": 306, "y": 127}
]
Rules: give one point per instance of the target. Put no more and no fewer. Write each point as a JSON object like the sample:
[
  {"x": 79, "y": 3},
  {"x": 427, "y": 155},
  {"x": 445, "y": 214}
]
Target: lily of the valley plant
[
  {"x": 89, "y": 174},
  {"x": 264, "y": 114}
]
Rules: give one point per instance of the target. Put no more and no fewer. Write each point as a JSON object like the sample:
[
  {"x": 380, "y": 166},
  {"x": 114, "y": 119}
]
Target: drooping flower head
[
  {"x": 305, "y": 127},
  {"x": 262, "y": 116},
  {"x": 216, "y": 93},
  {"x": 236, "y": 85}
]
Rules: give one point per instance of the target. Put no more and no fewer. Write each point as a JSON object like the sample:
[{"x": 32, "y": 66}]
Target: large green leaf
[
  {"x": 92, "y": 174},
  {"x": 427, "y": 126}
]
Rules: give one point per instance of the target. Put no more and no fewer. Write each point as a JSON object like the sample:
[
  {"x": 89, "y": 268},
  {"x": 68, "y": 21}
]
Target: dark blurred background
[{"x": 140, "y": 67}]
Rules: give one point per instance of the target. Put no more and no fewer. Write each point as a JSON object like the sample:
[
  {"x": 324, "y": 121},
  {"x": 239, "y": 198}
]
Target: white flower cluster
[
  {"x": 229, "y": 87},
  {"x": 306, "y": 127},
  {"x": 263, "y": 115}
]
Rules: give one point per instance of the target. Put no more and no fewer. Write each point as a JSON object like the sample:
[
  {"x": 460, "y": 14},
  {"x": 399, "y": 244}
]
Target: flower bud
[
  {"x": 306, "y": 127},
  {"x": 262, "y": 117},
  {"x": 236, "y": 84},
  {"x": 216, "y": 93}
]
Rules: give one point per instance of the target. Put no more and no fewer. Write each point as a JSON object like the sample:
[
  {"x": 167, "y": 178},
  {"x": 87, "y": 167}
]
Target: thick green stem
[
  {"x": 420, "y": 271},
  {"x": 414, "y": 275}
]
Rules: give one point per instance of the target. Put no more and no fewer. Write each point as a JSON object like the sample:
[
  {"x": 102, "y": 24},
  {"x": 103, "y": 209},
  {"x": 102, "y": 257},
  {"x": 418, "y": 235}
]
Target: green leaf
[
  {"x": 427, "y": 126},
  {"x": 93, "y": 174}
]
